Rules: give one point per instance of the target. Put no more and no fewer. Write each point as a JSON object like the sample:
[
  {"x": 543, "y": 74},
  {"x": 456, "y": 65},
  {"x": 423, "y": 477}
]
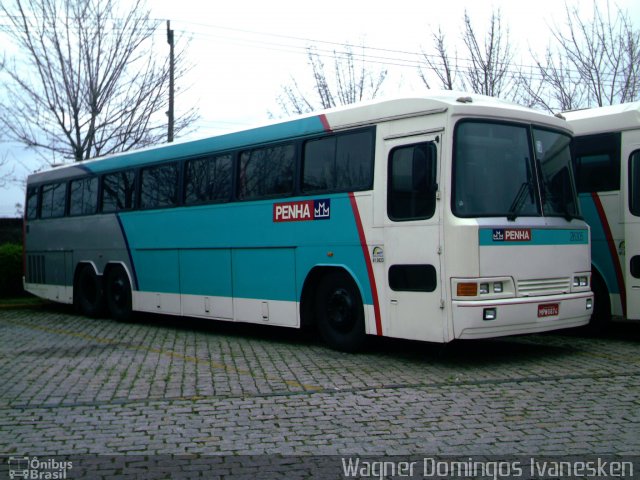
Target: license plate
[{"x": 548, "y": 310}]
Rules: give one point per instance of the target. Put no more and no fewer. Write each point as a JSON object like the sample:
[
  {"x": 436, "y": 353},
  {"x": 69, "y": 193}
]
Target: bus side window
[
  {"x": 159, "y": 186},
  {"x": 634, "y": 183},
  {"x": 597, "y": 162},
  {"x": 266, "y": 172},
  {"x": 32, "y": 203},
  {"x": 338, "y": 163},
  {"x": 208, "y": 179},
  {"x": 118, "y": 191},
  {"x": 83, "y": 198},
  {"x": 53, "y": 200},
  {"x": 412, "y": 182}
]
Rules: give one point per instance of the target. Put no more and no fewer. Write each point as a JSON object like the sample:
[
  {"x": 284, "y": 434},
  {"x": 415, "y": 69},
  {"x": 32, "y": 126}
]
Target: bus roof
[
  {"x": 625, "y": 116},
  {"x": 350, "y": 116}
]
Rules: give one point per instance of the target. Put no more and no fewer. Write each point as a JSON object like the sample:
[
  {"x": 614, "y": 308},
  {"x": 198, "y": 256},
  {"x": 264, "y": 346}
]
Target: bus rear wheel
[
  {"x": 118, "y": 293},
  {"x": 89, "y": 296},
  {"x": 340, "y": 312}
]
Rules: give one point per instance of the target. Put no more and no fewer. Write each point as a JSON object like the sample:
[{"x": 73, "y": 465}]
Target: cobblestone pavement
[{"x": 161, "y": 385}]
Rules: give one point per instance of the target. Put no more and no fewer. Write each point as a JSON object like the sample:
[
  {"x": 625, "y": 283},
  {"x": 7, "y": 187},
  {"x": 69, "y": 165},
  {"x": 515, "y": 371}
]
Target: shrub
[{"x": 10, "y": 270}]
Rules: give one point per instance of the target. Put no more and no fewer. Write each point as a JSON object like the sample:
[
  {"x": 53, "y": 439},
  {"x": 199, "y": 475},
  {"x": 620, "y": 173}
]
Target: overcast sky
[{"x": 243, "y": 51}]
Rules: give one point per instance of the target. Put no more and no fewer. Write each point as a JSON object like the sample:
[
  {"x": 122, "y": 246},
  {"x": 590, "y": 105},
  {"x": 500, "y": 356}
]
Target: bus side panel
[
  {"x": 205, "y": 283},
  {"x": 601, "y": 213},
  {"x": 225, "y": 261},
  {"x": 631, "y": 166},
  {"x": 55, "y": 247},
  {"x": 264, "y": 285}
]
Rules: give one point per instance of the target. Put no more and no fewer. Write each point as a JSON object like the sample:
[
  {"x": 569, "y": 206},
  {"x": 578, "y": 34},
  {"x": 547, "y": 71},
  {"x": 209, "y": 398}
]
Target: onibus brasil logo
[{"x": 40, "y": 469}]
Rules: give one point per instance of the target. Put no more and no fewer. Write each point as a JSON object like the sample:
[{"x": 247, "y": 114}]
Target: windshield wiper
[{"x": 518, "y": 201}]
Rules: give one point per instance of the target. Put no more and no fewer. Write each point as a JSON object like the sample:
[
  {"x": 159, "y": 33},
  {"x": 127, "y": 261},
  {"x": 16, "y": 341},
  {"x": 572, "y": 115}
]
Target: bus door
[
  {"x": 632, "y": 234},
  {"x": 412, "y": 239}
]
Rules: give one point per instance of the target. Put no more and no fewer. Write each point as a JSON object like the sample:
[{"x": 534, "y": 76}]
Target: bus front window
[
  {"x": 558, "y": 192},
  {"x": 493, "y": 171}
]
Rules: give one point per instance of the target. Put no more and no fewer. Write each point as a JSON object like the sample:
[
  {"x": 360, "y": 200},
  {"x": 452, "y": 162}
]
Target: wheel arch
[
  {"x": 76, "y": 275},
  {"x": 307, "y": 298},
  {"x": 119, "y": 264}
]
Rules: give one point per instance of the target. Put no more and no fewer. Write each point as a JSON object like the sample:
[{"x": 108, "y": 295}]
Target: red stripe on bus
[
  {"x": 613, "y": 251},
  {"x": 325, "y": 122},
  {"x": 367, "y": 259}
]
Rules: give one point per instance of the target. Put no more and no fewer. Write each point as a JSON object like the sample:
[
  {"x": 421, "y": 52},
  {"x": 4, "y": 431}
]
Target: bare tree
[
  {"x": 593, "y": 62},
  {"x": 486, "y": 66},
  {"x": 351, "y": 80},
  {"x": 490, "y": 70},
  {"x": 444, "y": 67},
  {"x": 87, "y": 80}
]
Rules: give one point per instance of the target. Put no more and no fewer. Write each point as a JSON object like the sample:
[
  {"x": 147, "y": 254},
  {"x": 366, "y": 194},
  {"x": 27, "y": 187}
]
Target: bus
[
  {"x": 606, "y": 157},
  {"x": 431, "y": 219}
]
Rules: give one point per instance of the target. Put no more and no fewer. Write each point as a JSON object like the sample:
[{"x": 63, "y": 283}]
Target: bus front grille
[{"x": 544, "y": 286}]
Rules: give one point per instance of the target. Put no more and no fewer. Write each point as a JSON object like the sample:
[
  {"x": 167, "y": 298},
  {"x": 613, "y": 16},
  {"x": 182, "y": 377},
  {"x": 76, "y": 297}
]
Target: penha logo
[
  {"x": 511, "y": 235},
  {"x": 302, "y": 211}
]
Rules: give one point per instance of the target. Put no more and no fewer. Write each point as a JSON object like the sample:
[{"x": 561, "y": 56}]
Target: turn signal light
[{"x": 467, "y": 289}]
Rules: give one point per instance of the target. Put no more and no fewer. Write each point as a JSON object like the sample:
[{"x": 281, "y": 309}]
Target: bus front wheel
[
  {"x": 340, "y": 312},
  {"x": 118, "y": 293},
  {"x": 89, "y": 294}
]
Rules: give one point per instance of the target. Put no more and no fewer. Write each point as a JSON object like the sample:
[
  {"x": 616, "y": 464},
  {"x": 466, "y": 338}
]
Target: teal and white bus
[
  {"x": 606, "y": 155},
  {"x": 421, "y": 218}
]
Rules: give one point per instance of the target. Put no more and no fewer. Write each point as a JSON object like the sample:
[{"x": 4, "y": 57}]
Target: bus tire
[
  {"x": 601, "y": 316},
  {"x": 340, "y": 312},
  {"x": 118, "y": 293},
  {"x": 89, "y": 296}
]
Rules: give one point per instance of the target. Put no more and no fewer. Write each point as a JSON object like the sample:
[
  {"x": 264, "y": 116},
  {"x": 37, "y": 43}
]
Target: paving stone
[{"x": 163, "y": 386}]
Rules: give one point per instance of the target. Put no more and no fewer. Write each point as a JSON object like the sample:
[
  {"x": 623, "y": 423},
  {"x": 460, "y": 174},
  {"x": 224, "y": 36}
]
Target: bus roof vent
[{"x": 464, "y": 100}]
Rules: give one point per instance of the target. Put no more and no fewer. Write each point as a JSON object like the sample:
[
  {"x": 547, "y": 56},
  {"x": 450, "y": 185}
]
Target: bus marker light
[
  {"x": 467, "y": 289},
  {"x": 489, "y": 314},
  {"x": 589, "y": 303}
]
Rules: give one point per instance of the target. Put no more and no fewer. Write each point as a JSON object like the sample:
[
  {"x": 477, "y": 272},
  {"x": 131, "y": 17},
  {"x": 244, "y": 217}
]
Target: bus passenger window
[
  {"x": 53, "y": 200},
  {"x": 634, "y": 184},
  {"x": 412, "y": 182},
  {"x": 354, "y": 161},
  {"x": 319, "y": 165},
  {"x": 266, "y": 172},
  {"x": 32, "y": 203},
  {"x": 159, "y": 186},
  {"x": 596, "y": 161},
  {"x": 118, "y": 191},
  {"x": 208, "y": 179},
  {"x": 338, "y": 163},
  {"x": 84, "y": 196}
]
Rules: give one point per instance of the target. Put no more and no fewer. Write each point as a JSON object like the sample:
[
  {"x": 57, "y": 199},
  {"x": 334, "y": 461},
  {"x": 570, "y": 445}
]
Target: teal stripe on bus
[
  {"x": 523, "y": 237},
  {"x": 244, "y": 139},
  {"x": 237, "y": 249}
]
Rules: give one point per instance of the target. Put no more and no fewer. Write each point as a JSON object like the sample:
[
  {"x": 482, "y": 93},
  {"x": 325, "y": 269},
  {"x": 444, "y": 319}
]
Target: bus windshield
[{"x": 495, "y": 174}]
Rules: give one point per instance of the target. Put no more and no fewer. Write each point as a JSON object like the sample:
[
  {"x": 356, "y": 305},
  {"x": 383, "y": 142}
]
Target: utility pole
[{"x": 171, "y": 69}]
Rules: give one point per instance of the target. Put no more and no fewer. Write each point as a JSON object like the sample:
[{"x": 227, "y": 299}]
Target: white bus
[
  {"x": 606, "y": 155},
  {"x": 421, "y": 218}
]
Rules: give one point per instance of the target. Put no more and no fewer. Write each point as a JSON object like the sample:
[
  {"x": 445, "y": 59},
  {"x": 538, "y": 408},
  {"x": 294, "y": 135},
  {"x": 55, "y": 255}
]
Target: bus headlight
[
  {"x": 483, "y": 288},
  {"x": 581, "y": 282}
]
